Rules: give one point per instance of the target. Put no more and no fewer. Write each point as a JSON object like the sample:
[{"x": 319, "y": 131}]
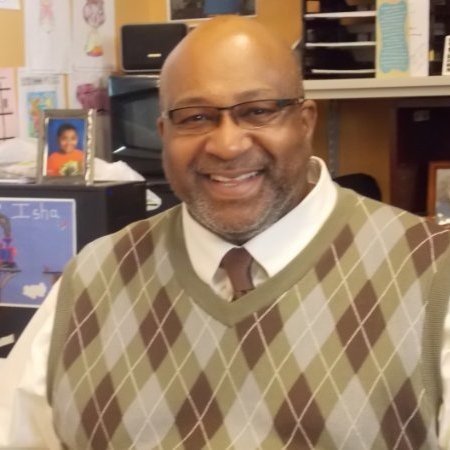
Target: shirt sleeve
[
  {"x": 444, "y": 415},
  {"x": 25, "y": 415}
]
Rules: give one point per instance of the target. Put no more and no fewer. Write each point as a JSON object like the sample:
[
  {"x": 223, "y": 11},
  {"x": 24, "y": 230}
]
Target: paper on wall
[
  {"x": 7, "y": 340},
  {"x": 418, "y": 37},
  {"x": 93, "y": 34},
  {"x": 392, "y": 38},
  {"x": 8, "y": 111},
  {"x": 47, "y": 35},
  {"x": 9, "y": 4},
  {"x": 37, "y": 92}
]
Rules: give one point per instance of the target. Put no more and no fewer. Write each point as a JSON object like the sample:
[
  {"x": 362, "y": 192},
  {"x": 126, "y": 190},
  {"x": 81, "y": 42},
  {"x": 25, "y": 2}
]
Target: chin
[
  {"x": 234, "y": 234},
  {"x": 233, "y": 224}
]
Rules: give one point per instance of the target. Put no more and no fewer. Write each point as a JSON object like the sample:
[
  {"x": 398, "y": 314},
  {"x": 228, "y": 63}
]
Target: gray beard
[{"x": 239, "y": 233}]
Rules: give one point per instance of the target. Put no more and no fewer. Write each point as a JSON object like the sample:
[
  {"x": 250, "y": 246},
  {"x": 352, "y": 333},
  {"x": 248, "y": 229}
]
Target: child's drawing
[
  {"x": 37, "y": 101},
  {"x": 46, "y": 15},
  {"x": 94, "y": 16}
]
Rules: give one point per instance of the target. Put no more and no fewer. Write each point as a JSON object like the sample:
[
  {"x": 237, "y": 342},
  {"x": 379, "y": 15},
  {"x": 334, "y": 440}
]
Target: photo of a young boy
[{"x": 66, "y": 155}]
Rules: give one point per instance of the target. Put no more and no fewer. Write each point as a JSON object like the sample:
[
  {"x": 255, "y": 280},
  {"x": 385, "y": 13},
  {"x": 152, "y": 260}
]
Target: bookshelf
[
  {"x": 431, "y": 86},
  {"x": 339, "y": 40}
]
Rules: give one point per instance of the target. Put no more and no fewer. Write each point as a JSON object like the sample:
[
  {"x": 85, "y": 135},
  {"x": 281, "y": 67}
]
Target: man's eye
[
  {"x": 257, "y": 111},
  {"x": 196, "y": 118}
]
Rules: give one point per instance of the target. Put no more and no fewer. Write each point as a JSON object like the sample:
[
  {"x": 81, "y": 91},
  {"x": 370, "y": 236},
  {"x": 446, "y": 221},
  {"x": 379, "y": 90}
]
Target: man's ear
[{"x": 309, "y": 118}]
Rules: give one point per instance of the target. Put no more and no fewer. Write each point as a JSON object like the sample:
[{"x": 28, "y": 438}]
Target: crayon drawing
[
  {"x": 37, "y": 101},
  {"x": 94, "y": 16},
  {"x": 46, "y": 15},
  {"x": 93, "y": 42}
]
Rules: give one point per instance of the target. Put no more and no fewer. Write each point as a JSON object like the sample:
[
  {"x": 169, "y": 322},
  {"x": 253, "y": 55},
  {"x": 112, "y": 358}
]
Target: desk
[{"x": 27, "y": 275}]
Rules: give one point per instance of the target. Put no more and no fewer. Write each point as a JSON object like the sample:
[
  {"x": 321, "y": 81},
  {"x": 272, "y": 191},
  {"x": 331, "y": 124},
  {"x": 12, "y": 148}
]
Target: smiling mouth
[{"x": 232, "y": 179}]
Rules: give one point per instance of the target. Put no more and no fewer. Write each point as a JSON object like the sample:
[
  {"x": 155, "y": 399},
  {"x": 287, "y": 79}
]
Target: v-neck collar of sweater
[{"x": 231, "y": 313}]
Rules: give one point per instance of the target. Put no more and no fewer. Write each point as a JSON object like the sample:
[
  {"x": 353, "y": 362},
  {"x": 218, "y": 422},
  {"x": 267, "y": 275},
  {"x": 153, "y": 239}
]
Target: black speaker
[{"x": 146, "y": 46}]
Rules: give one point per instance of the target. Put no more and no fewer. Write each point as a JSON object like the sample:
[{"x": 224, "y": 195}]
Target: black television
[{"x": 134, "y": 109}]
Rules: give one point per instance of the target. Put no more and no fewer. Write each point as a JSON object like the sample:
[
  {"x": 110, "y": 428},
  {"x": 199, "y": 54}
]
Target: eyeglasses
[{"x": 248, "y": 115}]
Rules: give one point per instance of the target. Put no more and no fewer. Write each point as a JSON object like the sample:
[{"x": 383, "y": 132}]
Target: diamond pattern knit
[{"x": 340, "y": 350}]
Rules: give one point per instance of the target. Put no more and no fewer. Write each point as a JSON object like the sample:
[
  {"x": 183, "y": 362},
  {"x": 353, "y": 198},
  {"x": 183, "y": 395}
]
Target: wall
[
  {"x": 365, "y": 138},
  {"x": 11, "y": 38}
]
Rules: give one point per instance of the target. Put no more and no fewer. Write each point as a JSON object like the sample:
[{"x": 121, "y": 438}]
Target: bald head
[
  {"x": 238, "y": 171},
  {"x": 214, "y": 51}
]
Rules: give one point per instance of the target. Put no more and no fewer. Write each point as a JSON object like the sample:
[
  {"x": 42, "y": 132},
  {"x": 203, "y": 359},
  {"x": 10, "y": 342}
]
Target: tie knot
[{"x": 237, "y": 264}]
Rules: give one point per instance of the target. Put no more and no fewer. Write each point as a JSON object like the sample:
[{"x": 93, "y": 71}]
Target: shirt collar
[{"x": 276, "y": 246}]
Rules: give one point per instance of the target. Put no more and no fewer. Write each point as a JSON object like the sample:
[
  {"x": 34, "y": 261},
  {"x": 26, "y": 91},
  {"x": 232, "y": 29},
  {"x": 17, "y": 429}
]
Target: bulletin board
[{"x": 37, "y": 238}]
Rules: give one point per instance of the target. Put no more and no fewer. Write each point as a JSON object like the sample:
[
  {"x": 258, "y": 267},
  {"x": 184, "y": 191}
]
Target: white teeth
[{"x": 223, "y": 179}]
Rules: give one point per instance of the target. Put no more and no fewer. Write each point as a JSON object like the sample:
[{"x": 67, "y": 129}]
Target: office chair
[{"x": 362, "y": 183}]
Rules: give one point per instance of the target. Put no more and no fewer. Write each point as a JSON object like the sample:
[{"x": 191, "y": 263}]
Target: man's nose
[{"x": 228, "y": 139}]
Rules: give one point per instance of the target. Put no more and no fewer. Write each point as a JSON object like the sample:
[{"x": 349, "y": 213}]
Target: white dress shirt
[{"x": 25, "y": 416}]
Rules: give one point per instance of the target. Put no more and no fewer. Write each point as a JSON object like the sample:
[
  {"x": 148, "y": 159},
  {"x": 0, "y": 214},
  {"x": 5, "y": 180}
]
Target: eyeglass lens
[{"x": 254, "y": 114}]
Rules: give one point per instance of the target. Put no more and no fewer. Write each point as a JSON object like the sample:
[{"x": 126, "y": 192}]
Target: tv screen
[{"x": 134, "y": 109}]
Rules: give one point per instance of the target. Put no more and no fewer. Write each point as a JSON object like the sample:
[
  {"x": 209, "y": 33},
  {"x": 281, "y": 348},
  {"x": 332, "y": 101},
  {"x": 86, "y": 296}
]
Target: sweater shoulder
[
  {"x": 390, "y": 221},
  {"x": 152, "y": 229}
]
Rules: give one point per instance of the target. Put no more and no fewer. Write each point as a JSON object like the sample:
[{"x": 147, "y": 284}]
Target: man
[{"x": 159, "y": 342}]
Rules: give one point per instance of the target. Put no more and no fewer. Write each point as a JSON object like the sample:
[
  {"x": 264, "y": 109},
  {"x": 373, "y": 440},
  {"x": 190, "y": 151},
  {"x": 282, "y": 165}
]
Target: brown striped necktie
[{"x": 237, "y": 264}]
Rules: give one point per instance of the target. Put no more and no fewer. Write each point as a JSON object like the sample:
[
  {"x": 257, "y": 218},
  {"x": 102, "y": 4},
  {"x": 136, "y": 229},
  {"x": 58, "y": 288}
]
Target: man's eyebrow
[
  {"x": 255, "y": 94},
  {"x": 191, "y": 101}
]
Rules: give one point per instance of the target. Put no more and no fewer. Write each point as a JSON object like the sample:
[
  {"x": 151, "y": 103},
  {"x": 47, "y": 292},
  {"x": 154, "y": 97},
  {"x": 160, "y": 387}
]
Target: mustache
[{"x": 207, "y": 163}]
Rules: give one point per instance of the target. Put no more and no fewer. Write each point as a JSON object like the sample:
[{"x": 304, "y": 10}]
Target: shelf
[
  {"x": 340, "y": 44},
  {"x": 343, "y": 71},
  {"x": 433, "y": 86},
  {"x": 340, "y": 15}
]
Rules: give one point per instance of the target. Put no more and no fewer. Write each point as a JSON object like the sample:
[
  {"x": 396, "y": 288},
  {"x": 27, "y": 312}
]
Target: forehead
[
  {"x": 232, "y": 71},
  {"x": 70, "y": 132}
]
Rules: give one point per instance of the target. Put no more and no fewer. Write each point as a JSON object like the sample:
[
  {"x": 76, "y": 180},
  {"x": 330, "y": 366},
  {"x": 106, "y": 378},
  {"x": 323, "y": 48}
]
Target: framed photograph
[
  {"x": 66, "y": 146},
  {"x": 439, "y": 191},
  {"x": 204, "y": 9}
]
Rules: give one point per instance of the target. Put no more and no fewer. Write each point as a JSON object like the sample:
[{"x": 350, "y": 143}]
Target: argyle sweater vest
[{"x": 338, "y": 350}]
